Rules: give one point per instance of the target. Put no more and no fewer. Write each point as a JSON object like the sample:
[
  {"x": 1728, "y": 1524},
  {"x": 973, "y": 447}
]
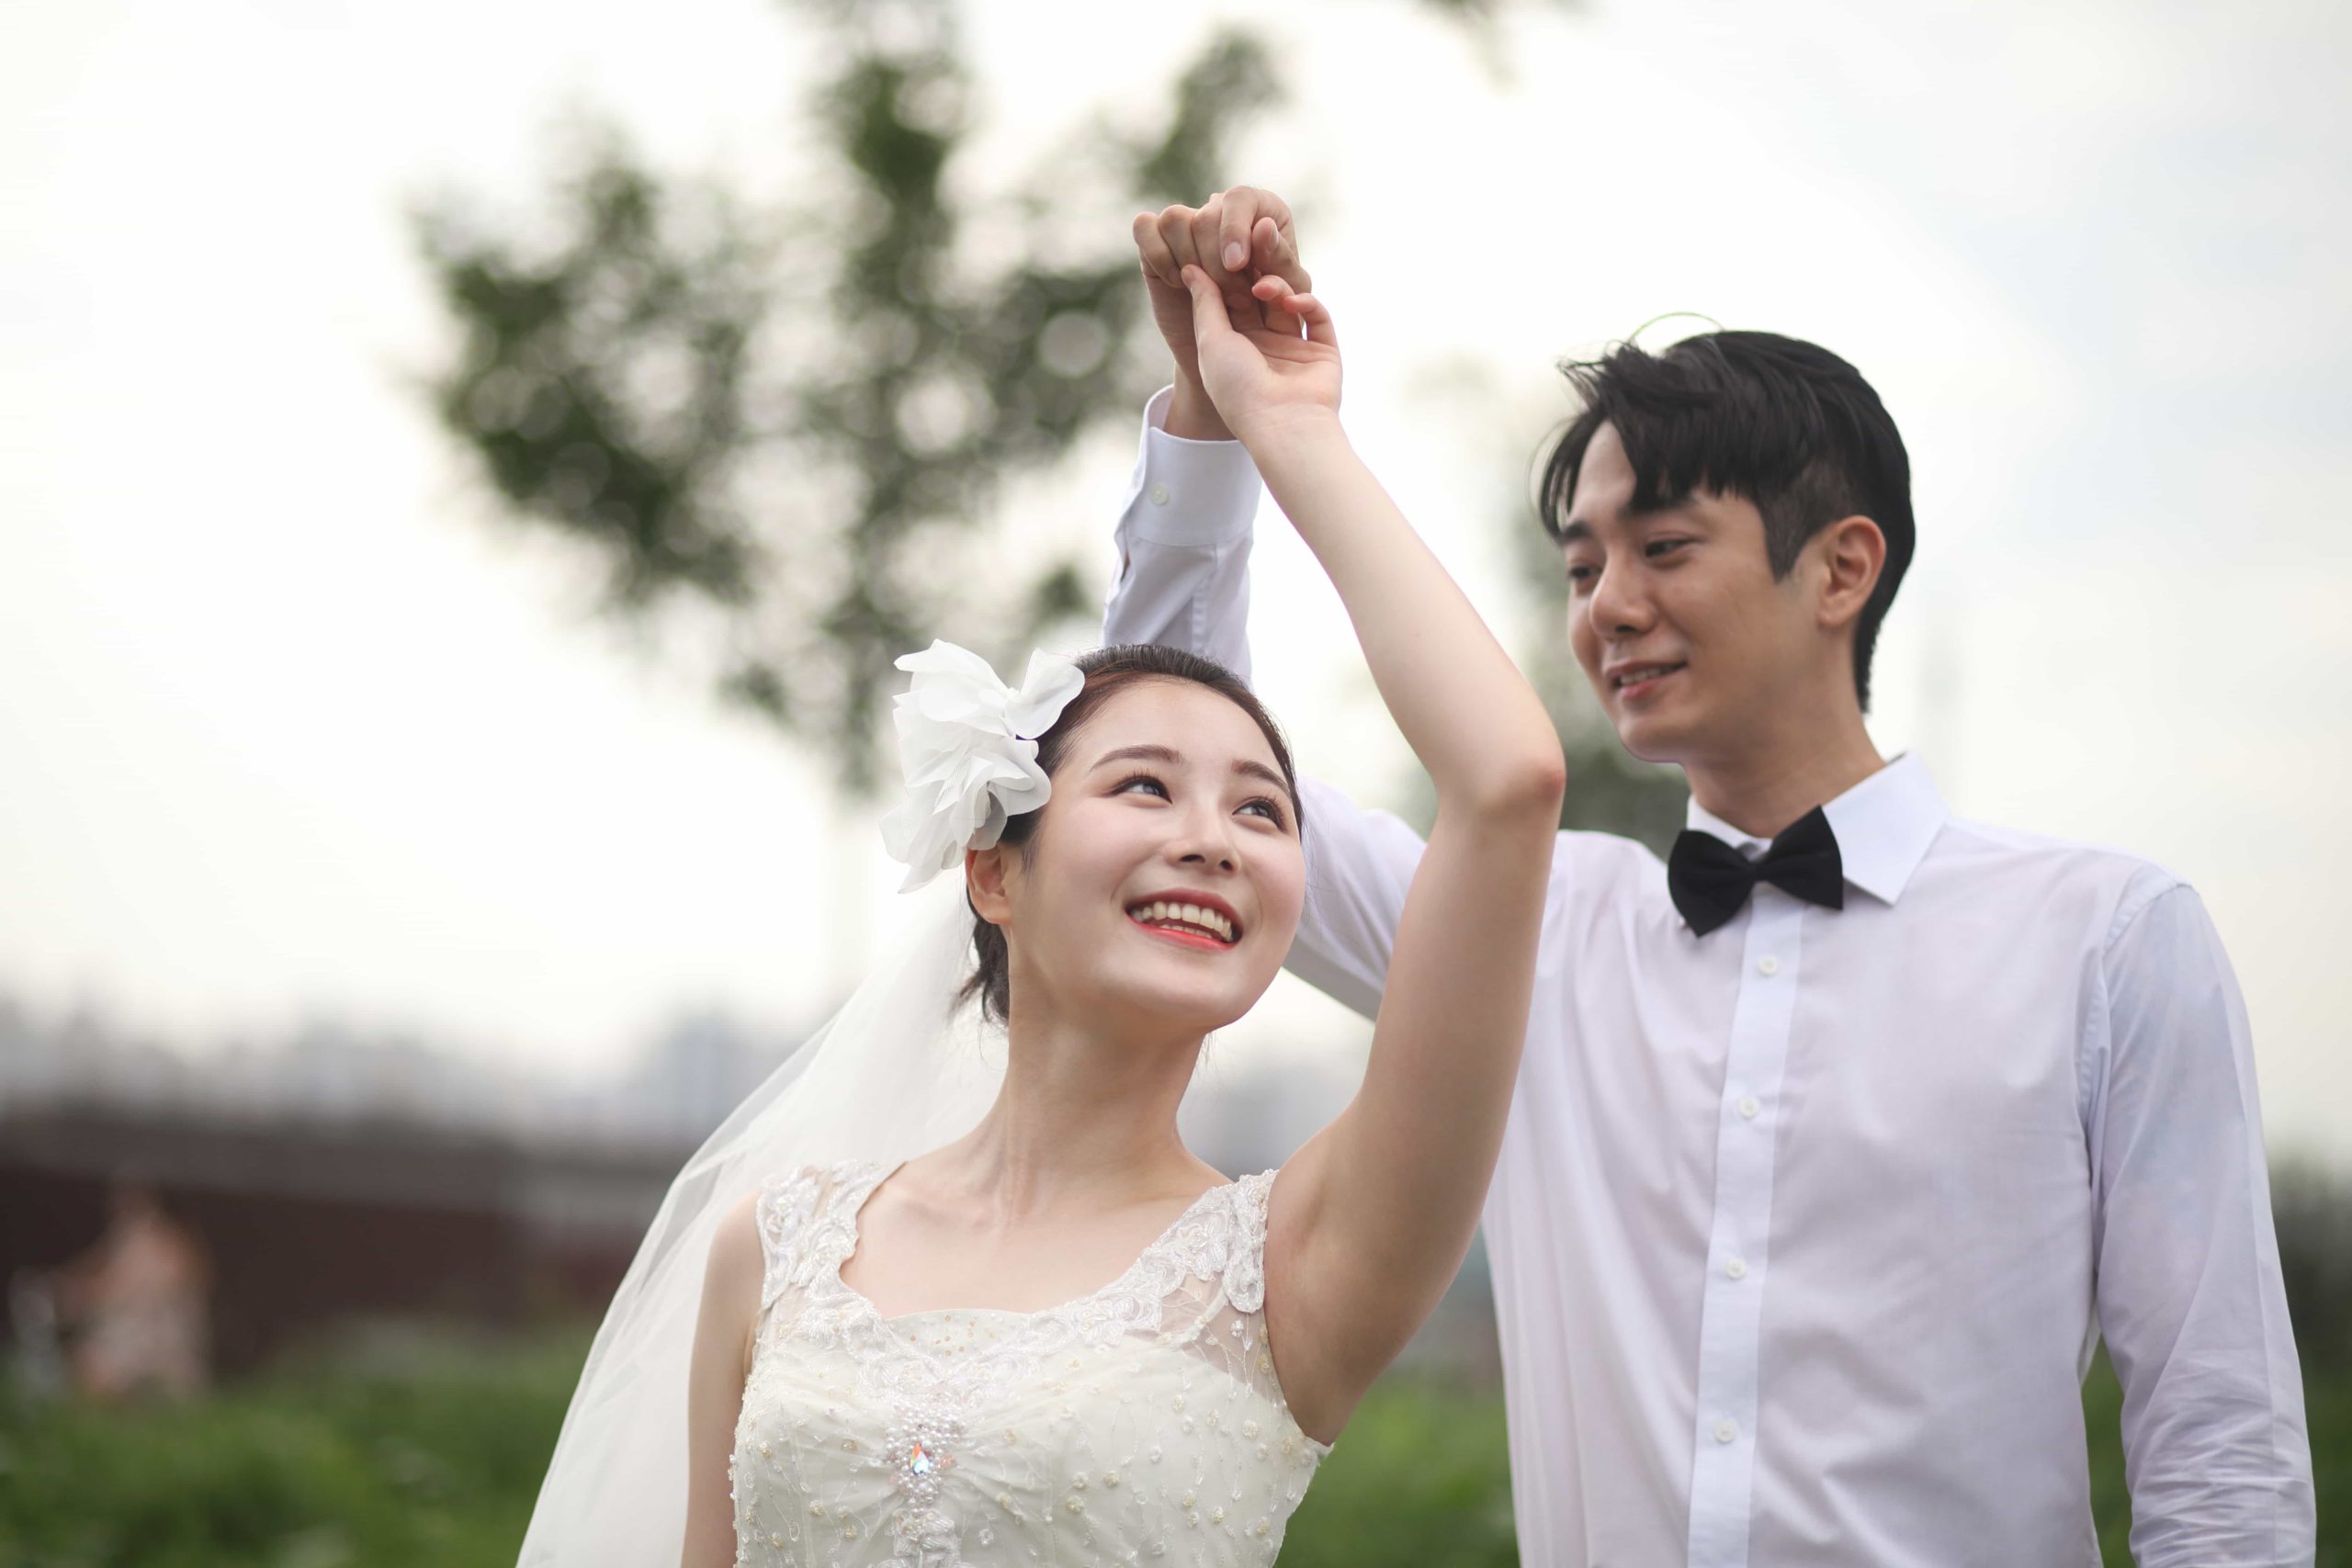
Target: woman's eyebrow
[
  {"x": 1145, "y": 754},
  {"x": 1163, "y": 754},
  {"x": 1259, "y": 771}
]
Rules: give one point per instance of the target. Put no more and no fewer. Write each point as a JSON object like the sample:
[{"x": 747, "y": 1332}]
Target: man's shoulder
[
  {"x": 2099, "y": 880},
  {"x": 1588, "y": 849},
  {"x": 1589, "y": 866}
]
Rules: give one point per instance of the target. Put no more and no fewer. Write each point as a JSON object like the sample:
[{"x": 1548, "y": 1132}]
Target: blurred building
[{"x": 340, "y": 1175}]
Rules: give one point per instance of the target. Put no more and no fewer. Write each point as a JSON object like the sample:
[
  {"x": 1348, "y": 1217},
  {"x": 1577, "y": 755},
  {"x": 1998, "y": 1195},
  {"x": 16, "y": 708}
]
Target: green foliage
[
  {"x": 2328, "y": 1407},
  {"x": 1421, "y": 1475},
  {"x": 318, "y": 1465},
  {"x": 782, "y": 414},
  {"x": 603, "y": 385},
  {"x": 436, "y": 1457},
  {"x": 2313, "y": 1211}
]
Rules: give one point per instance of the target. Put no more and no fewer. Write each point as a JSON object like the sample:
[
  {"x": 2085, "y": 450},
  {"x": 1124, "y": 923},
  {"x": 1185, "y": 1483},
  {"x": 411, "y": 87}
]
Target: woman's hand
[
  {"x": 1281, "y": 372},
  {"x": 1236, "y": 236}
]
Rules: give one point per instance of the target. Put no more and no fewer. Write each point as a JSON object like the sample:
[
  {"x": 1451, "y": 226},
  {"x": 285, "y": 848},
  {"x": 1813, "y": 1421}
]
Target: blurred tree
[
  {"x": 784, "y": 419},
  {"x": 792, "y": 424}
]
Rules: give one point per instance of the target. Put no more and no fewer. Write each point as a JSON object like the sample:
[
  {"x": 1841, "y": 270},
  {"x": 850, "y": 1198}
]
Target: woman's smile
[
  {"x": 1204, "y": 925},
  {"x": 1186, "y": 937}
]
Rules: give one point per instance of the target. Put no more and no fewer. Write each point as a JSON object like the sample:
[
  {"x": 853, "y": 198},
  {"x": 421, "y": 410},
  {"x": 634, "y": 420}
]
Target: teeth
[
  {"x": 1636, "y": 677},
  {"x": 1195, "y": 915}
]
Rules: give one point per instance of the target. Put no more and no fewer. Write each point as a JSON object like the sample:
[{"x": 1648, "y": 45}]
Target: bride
[{"x": 918, "y": 1360}]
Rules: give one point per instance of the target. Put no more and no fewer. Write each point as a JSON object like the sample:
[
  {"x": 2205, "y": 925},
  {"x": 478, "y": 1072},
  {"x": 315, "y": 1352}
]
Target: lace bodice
[{"x": 1139, "y": 1424}]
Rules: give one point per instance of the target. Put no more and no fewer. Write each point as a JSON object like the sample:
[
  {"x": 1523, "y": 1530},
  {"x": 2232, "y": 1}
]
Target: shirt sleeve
[
  {"x": 1359, "y": 866},
  {"x": 2190, "y": 1299},
  {"x": 1183, "y": 540}
]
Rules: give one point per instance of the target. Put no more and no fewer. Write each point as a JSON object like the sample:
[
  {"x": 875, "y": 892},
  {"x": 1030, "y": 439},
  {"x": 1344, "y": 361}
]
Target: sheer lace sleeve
[
  {"x": 807, "y": 1222},
  {"x": 1213, "y": 1300}
]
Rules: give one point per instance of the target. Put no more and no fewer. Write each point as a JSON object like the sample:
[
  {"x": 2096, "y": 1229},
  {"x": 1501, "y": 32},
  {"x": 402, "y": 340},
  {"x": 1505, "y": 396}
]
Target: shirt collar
[{"x": 1883, "y": 824}]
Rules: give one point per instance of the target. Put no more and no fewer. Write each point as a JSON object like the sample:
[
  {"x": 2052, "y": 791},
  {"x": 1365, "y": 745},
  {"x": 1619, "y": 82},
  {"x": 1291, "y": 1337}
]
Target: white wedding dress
[{"x": 1139, "y": 1424}]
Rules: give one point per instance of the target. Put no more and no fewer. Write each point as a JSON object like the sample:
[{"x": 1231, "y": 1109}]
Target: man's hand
[{"x": 1236, "y": 237}]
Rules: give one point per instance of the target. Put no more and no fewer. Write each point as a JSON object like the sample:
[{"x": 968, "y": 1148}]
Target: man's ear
[
  {"x": 984, "y": 872},
  {"x": 1852, "y": 552}
]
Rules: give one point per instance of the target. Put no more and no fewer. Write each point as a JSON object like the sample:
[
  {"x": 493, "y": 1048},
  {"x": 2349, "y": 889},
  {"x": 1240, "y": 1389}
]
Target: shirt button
[
  {"x": 1725, "y": 1431},
  {"x": 1160, "y": 495},
  {"x": 1767, "y": 966},
  {"x": 1749, "y": 1105},
  {"x": 1736, "y": 1268}
]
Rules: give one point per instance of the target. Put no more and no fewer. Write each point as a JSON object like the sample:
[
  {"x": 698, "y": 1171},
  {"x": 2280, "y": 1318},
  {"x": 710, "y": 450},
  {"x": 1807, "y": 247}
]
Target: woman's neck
[{"x": 1085, "y": 1114}]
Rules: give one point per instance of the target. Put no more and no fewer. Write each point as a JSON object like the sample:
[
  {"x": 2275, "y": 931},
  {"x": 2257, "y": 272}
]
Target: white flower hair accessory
[{"x": 968, "y": 743}]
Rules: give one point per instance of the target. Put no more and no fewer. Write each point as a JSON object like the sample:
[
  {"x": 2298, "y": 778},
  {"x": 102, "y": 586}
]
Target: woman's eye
[
  {"x": 1157, "y": 788},
  {"x": 1266, "y": 808}
]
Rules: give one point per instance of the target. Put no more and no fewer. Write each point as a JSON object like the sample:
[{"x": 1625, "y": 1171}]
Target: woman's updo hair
[{"x": 1108, "y": 670}]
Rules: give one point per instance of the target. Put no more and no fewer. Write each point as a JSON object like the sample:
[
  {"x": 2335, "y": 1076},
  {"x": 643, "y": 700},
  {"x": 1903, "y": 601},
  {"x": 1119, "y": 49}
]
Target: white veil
[{"x": 888, "y": 1077}]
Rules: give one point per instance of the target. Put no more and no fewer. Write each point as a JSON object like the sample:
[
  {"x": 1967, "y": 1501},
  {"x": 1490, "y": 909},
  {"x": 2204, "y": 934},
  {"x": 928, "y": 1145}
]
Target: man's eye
[
  {"x": 1578, "y": 575},
  {"x": 1659, "y": 546}
]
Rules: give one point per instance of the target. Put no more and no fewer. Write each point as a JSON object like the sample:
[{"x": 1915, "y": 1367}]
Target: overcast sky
[{"x": 288, "y": 730}]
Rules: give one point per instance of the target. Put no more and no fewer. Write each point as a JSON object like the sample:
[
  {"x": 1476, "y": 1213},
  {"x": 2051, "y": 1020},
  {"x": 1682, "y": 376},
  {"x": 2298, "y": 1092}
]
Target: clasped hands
[{"x": 1253, "y": 348}]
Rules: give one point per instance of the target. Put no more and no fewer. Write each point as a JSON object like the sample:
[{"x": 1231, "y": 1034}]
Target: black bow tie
[{"x": 1710, "y": 880}]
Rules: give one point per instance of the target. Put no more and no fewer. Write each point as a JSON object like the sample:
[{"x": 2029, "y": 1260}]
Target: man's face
[{"x": 1676, "y": 618}]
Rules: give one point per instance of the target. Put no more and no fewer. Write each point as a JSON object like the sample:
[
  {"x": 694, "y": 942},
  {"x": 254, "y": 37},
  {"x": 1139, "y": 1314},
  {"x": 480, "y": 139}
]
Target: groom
[{"x": 1843, "y": 1136}]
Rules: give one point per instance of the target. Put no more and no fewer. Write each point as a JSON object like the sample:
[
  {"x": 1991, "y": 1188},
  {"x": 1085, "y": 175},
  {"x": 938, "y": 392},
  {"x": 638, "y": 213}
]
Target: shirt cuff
[{"x": 1190, "y": 493}]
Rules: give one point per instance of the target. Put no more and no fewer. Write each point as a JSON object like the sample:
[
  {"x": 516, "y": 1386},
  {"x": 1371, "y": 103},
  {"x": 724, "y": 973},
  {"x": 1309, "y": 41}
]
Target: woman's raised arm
[{"x": 1369, "y": 1222}]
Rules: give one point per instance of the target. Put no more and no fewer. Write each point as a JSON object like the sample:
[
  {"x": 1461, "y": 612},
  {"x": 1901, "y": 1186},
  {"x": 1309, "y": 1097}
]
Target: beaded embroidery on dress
[{"x": 1139, "y": 1424}]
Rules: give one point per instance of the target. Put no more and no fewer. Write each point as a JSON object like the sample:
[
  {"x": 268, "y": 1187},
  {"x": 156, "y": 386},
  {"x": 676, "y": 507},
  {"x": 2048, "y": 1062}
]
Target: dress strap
[
  {"x": 1245, "y": 1267},
  {"x": 808, "y": 1222}
]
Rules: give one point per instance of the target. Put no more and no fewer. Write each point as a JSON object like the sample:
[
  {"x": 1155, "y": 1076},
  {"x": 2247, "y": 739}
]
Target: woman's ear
[
  {"x": 984, "y": 873},
  {"x": 1853, "y": 553}
]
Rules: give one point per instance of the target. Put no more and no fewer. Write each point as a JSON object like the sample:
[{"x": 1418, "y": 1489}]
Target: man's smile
[{"x": 1635, "y": 682}]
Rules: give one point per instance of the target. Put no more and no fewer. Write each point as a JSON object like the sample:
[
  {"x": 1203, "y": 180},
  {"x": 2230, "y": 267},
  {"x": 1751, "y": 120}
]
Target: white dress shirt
[{"x": 1804, "y": 1231}]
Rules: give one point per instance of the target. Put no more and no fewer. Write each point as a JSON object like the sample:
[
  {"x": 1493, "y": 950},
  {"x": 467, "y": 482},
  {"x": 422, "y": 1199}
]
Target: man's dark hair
[{"x": 1785, "y": 424}]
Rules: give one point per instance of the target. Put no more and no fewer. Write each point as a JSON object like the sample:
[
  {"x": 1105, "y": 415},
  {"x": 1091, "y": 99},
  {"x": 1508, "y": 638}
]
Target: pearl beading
[{"x": 1099, "y": 1473}]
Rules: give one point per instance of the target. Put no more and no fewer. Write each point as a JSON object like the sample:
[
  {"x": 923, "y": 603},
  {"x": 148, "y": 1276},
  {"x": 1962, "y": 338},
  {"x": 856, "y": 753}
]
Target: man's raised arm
[{"x": 1183, "y": 539}]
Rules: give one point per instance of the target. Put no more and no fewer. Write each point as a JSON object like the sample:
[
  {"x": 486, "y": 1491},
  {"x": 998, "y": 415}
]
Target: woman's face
[{"x": 1168, "y": 797}]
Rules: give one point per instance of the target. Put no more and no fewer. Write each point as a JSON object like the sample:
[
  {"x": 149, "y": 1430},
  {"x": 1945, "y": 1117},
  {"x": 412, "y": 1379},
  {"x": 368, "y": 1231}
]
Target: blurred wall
[{"x": 307, "y": 1226}]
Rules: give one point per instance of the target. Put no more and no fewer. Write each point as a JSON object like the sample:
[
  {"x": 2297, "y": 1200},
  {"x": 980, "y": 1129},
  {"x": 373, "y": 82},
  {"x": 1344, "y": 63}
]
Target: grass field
[{"x": 394, "y": 1455}]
